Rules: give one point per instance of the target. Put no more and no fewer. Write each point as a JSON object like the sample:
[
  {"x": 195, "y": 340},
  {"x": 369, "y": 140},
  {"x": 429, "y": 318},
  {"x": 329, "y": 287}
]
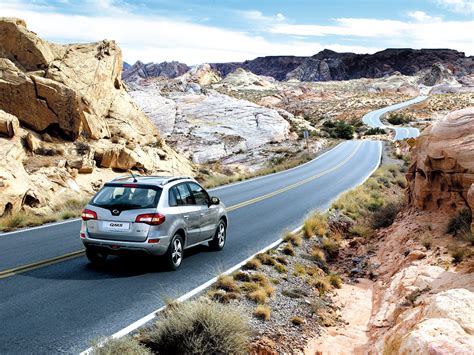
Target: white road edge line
[
  {"x": 142, "y": 321},
  {"x": 213, "y": 189}
]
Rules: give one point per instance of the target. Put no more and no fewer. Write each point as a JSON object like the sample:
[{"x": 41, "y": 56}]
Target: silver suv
[{"x": 152, "y": 214}]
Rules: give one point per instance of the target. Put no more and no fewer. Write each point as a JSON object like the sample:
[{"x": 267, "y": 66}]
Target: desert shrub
[
  {"x": 296, "y": 320},
  {"x": 398, "y": 119},
  {"x": 82, "y": 148},
  {"x": 262, "y": 312},
  {"x": 461, "y": 222},
  {"x": 374, "y": 131},
  {"x": 198, "y": 327},
  {"x": 124, "y": 345},
  {"x": 338, "y": 129},
  {"x": 426, "y": 240},
  {"x": 316, "y": 224},
  {"x": 386, "y": 215}
]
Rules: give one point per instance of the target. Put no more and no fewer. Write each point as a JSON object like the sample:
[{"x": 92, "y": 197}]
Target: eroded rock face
[
  {"x": 442, "y": 168},
  {"x": 65, "y": 114},
  {"x": 141, "y": 70}
]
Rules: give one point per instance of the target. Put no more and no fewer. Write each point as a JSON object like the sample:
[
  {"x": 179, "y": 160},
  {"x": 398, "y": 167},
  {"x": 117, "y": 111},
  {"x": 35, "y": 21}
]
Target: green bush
[
  {"x": 339, "y": 129},
  {"x": 461, "y": 222},
  {"x": 398, "y": 119},
  {"x": 385, "y": 216},
  {"x": 374, "y": 131}
]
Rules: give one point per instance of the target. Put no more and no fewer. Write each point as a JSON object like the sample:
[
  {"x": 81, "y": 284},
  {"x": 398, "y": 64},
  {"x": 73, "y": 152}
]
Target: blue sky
[{"x": 217, "y": 31}]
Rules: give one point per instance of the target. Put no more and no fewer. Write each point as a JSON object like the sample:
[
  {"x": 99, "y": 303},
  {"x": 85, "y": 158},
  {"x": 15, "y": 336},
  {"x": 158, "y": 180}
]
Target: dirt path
[{"x": 356, "y": 308}]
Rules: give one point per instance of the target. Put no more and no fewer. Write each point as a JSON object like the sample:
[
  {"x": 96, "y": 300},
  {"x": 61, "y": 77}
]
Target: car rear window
[{"x": 126, "y": 197}]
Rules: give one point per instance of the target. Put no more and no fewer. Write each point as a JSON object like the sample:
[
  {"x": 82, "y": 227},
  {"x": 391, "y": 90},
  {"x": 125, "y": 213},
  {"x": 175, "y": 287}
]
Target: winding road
[
  {"x": 372, "y": 119},
  {"x": 53, "y": 300},
  {"x": 59, "y": 302}
]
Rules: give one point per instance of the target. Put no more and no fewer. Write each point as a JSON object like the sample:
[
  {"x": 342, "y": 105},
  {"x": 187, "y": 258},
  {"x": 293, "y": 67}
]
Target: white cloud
[
  {"x": 259, "y": 18},
  {"x": 426, "y": 32},
  {"x": 462, "y": 6},
  {"x": 422, "y": 16},
  {"x": 159, "y": 39}
]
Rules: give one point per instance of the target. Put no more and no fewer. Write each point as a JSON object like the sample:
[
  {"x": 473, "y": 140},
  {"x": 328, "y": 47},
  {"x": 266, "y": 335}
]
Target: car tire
[
  {"x": 220, "y": 236},
  {"x": 96, "y": 257},
  {"x": 174, "y": 255}
]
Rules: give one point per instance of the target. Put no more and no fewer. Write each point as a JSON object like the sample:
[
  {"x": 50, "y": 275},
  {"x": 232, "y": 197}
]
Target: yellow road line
[
  {"x": 77, "y": 253},
  {"x": 289, "y": 187},
  {"x": 46, "y": 262}
]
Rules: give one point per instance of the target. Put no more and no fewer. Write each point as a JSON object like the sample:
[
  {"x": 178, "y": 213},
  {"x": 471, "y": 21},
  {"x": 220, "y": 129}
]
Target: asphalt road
[
  {"x": 372, "y": 119},
  {"x": 63, "y": 306}
]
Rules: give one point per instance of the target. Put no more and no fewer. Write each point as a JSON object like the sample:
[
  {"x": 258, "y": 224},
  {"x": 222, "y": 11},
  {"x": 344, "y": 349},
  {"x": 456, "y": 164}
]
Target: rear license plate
[{"x": 116, "y": 226}]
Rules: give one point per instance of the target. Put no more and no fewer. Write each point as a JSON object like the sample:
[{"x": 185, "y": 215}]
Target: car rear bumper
[{"x": 121, "y": 247}]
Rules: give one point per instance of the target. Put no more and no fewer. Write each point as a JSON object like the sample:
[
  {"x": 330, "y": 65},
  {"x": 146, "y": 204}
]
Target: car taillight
[
  {"x": 153, "y": 219},
  {"x": 88, "y": 214}
]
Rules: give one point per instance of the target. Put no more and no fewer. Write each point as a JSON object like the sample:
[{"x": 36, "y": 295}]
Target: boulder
[
  {"x": 437, "y": 336},
  {"x": 470, "y": 200},
  {"x": 9, "y": 124},
  {"x": 455, "y": 304},
  {"x": 442, "y": 168}
]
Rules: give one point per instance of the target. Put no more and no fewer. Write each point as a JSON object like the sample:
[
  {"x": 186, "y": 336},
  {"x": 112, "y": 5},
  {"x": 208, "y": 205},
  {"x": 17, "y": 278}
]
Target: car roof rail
[
  {"x": 125, "y": 177},
  {"x": 175, "y": 178}
]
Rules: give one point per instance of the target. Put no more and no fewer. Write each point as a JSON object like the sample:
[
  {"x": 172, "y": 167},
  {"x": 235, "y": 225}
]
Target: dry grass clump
[
  {"x": 294, "y": 239},
  {"x": 282, "y": 260},
  {"x": 335, "y": 280},
  {"x": 297, "y": 320},
  {"x": 222, "y": 296},
  {"x": 354, "y": 203},
  {"x": 295, "y": 293},
  {"x": 266, "y": 259},
  {"x": 249, "y": 286},
  {"x": 288, "y": 250},
  {"x": 280, "y": 268},
  {"x": 124, "y": 345},
  {"x": 299, "y": 269},
  {"x": 198, "y": 327},
  {"x": 457, "y": 253},
  {"x": 258, "y": 296},
  {"x": 318, "y": 255},
  {"x": 252, "y": 264},
  {"x": 69, "y": 209},
  {"x": 427, "y": 240},
  {"x": 315, "y": 225},
  {"x": 331, "y": 246},
  {"x": 262, "y": 312},
  {"x": 361, "y": 230},
  {"x": 321, "y": 283},
  {"x": 241, "y": 276},
  {"x": 227, "y": 283}
]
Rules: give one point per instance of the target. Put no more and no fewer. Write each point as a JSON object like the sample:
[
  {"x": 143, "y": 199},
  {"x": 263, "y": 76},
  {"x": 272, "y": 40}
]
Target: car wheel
[
  {"x": 218, "y": 242},
  {"x": 174, "y": 255},
  {"x": 96, "y": 257}
]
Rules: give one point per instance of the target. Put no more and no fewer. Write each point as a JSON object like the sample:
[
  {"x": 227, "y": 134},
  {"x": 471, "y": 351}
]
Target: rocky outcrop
[
  {"x": 275, "y": 66},
  {"x": 64, "y": 111},
  {"x": 242, "y": 79},
  {"x": 442, "y": 168},
  {"x": 437, "y": 75},
  {"x": 141, "y": 70},
  {"x": 9, "y": 124},
  {"x": 329, "y": 65}
]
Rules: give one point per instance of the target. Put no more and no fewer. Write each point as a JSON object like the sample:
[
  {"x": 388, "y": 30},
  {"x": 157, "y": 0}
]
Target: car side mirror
[{"x": 215, "y": 200}]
